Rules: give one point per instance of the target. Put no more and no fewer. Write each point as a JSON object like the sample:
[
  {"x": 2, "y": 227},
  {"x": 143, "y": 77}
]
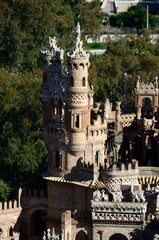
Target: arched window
[
  {"x": 57, "y": 159},
  {"x": 71, "y": 82},
  {"x": 77, "y": 122},
  {"x": 83, "y": 82},
  {"x": 11, "y": 232},
  {"x": 118, "y": 236},
  {"x": 75, "y": 66},
  {"x": 97, "y": 157},
  {"x": 82, "y": 65},
  {"x": 146, "y": 107},
  {"x": 81, "y": 235}
]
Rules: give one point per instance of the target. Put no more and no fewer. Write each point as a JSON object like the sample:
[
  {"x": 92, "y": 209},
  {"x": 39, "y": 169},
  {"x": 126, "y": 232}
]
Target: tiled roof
[
  {"x": 148, "y": 179},
  {"x": 96, "y": 183},
  {"x": 78, "y": 181}
]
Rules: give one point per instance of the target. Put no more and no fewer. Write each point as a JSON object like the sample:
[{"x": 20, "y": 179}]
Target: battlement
[
  {"x": 98, "y": 120},
  {"x": 97, "y": 131},
  {"x": 9, "y": 205},
  {"x": 111, "y": 168},
  {"x": 12, "y": 204},
  {"x": 114, "y": 170},
  {"x": 122, "y": 167},
  {"x": 34, "y": 193}
]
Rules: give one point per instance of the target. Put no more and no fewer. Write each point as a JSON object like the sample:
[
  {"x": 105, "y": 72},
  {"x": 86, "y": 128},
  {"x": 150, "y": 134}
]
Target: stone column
[
  {"x": 138, "y": 112},
  {"x": 118, "y": 113}
]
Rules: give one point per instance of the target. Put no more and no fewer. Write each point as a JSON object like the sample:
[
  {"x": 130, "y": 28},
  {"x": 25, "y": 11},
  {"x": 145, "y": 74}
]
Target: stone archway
[
  {"x": 81, "y": 235},
  {"x": 118, "y": 236},
  {"x": 146, "y": 91},
  {"x": 146, "y": 107},
  {"x": 37, "y": 223}
]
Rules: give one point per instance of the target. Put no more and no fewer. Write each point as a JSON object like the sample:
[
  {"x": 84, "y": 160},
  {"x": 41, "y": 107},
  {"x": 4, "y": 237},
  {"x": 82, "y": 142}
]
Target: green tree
[
  {"x": 4, "y": 190},
  {"x": 25, "y": 27},
  {"x": 22, "y": 148},
  {"x": 133, "y": 56},
  {"x": 134, "y": 17}
]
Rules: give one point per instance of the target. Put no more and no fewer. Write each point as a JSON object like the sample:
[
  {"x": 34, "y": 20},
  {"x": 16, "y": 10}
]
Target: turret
[
  {"x": 53, "y": 83},
  {"x": 53, "y": 103},
  {"x": 78, "y": 96}
]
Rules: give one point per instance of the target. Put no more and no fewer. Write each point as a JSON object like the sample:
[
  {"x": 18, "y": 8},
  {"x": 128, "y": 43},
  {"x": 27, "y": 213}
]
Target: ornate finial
[
  {"x": 107, "y": 108},
  {"x": 156, "y": 237},
  {"x": 118, "y": 105},
  {"x": 52, "y": 42},
  {"x": 138, "y": 82},
  {"x": 78, "y": 29},
  {"x": 78, "y": 50},
  {"x": 53, "y": 50},
  {"x": 44, "y": 237},
  {"x": 156, "y": 78}
]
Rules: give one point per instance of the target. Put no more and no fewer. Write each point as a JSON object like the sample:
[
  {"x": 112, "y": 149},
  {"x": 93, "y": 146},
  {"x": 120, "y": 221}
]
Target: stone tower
[
  {"x": 70, "y": 125},
  {"x": 79, "y": 102},
  {"x": 53, "y": 103}
]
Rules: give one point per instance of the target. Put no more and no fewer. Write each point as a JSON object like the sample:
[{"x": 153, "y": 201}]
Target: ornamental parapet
[
  {"x": 147, "y": 89},
  {"x": 118, "y": 213}
]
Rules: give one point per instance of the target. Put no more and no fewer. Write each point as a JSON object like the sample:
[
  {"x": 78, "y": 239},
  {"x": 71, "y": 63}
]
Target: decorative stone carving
[
  {"x": 100, "y": 195},
  {"x": 107, "y": 108},
  {"x": 149, "y": 123},
  {"x": 137, "y": 197},
  {"x": 151, "y": 191},
  {"x": 118, "y": 212},
  {"x": 51, "y": 235},
  {"x": 78, "y": 50},
  {"x": 118, "y": 105},
  {"x": 147, "y": 89},
  {"x": 127, "y": 119},
  {"x": 117, "y": 196},
  {"x": 78, "y": 99},
  {"x": 156, "y": 237},
  {"x": 53, "y": 50}
]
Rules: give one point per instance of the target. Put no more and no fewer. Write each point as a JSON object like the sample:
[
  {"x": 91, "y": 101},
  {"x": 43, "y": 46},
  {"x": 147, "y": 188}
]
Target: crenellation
[
  {"x": 9, "y": 205},
  {"x": 122, "y": 167},
  {"x": 87, "y": 165},
  {"x": 36, "y": 193},
  {"x": 5, "y": 205}
]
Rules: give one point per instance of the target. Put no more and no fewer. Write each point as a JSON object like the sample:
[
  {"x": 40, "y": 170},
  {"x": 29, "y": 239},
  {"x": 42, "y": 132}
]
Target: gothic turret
[
  {"x": 53, "y": 101},
  {"x": 78, "y": 97}
]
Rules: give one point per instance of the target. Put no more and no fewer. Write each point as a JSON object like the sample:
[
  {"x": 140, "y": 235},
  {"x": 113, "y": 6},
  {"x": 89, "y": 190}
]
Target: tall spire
[{"x": 78, "y": 50}]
